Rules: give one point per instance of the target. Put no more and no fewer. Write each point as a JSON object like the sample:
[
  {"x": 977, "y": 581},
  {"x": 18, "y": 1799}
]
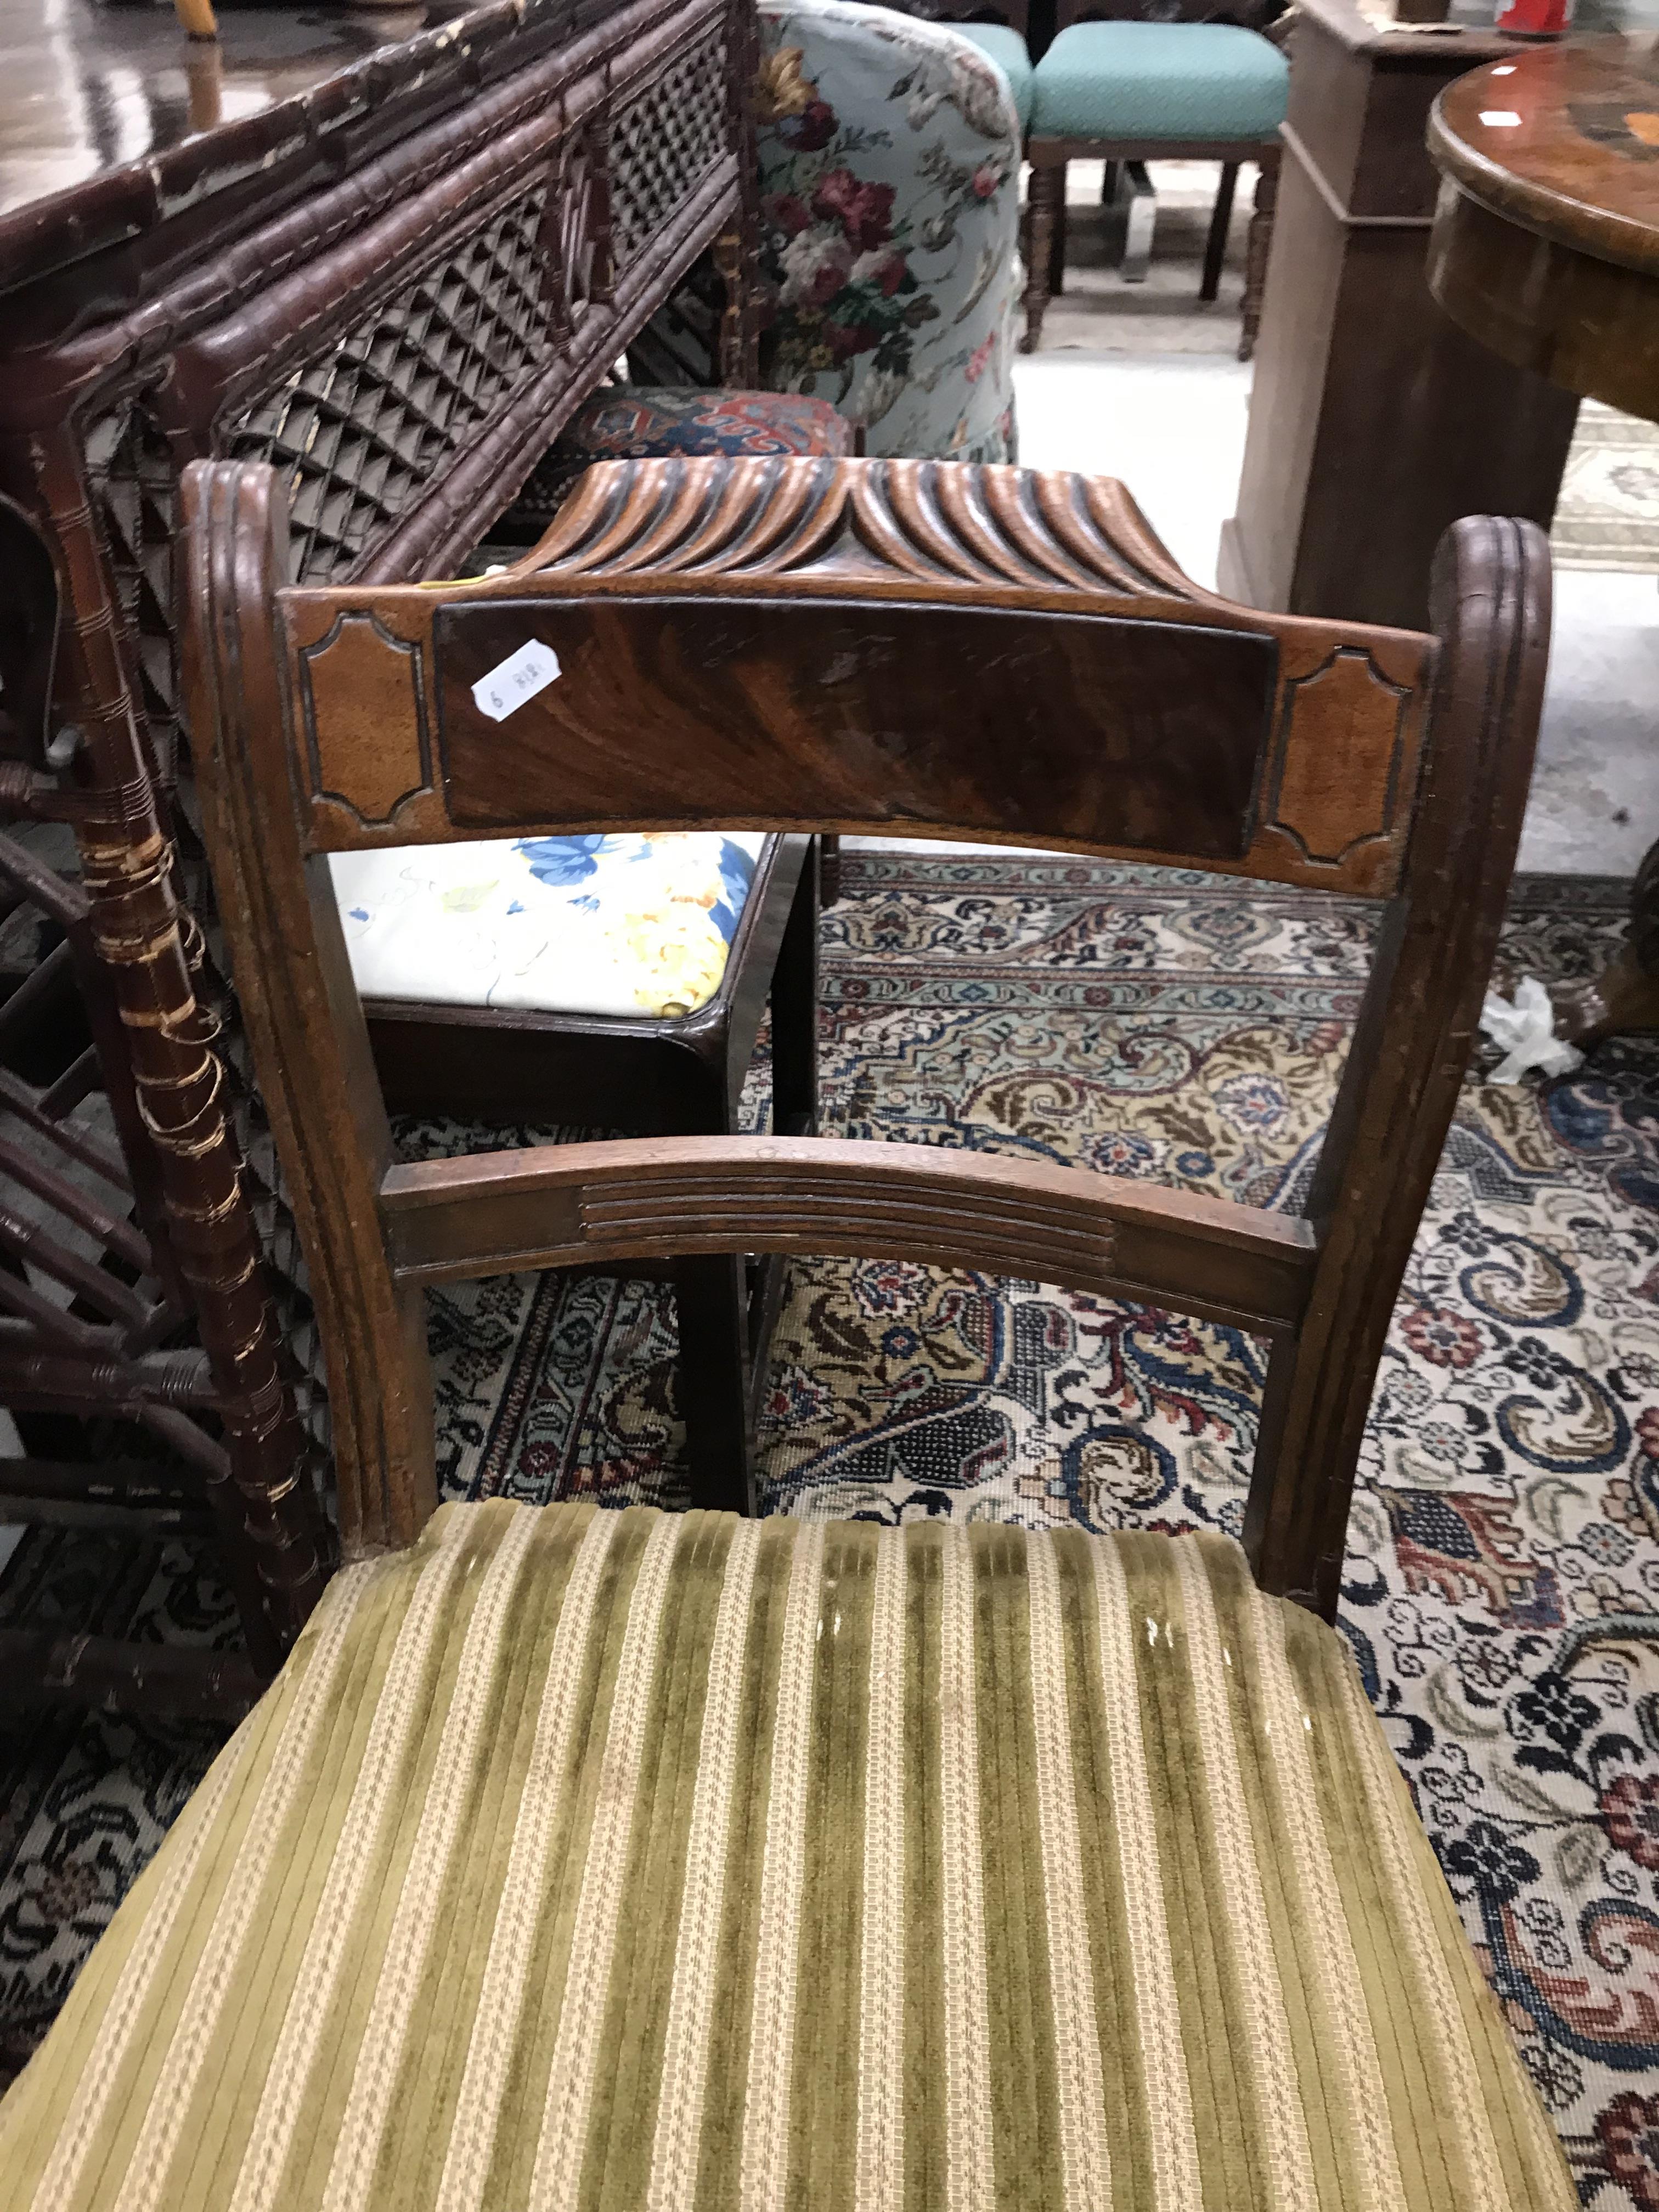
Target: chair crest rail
[{"x": 875, "y": 584}]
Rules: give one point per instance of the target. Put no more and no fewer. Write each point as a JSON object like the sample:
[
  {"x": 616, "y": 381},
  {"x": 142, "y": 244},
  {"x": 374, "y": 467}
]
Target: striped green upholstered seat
[{"x": 618, "y": 1860}]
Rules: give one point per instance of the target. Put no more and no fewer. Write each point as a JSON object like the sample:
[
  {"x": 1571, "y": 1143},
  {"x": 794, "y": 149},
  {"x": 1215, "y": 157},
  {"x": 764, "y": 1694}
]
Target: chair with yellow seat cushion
[
  {"x": 615, "y": 982},
  {"x": 647, "y": 1861},
  {"x": 580, "y": 1858},
  {"x": 598, "y": 925}
]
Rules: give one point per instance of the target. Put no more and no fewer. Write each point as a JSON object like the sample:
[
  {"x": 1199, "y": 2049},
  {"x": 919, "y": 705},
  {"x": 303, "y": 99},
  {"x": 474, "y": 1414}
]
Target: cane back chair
[{"x": 662, "y": 1862}]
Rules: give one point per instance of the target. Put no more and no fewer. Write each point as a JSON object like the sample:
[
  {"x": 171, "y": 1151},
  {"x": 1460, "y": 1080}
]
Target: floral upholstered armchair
[{"x": 889, "y": 160}]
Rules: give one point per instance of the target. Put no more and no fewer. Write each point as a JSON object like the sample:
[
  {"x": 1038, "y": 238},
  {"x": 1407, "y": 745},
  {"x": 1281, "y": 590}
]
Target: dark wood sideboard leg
[
  {"x": 128, "y": 873},
  {"x": 1057, "y": 251},
  {"x": 1215, "y": 245},
  {"x": 737, "y": 250},
  {"x": 739, "y": 336},
  {"x": 1256, "y": 249},
  {"x": 829, "y": 869}
]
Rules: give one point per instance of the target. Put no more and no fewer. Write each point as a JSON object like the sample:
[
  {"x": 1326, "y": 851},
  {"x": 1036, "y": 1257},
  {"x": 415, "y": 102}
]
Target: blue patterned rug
[{"x": 1502, "y": 1579}]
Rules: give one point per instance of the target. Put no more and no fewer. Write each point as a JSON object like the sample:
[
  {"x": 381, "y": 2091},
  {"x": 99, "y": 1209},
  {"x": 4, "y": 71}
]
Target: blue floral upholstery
[
  {"x": 889, "y": 158},
  {"x": 1005, "y": 46},
  {"x": 596, "y": 925}
]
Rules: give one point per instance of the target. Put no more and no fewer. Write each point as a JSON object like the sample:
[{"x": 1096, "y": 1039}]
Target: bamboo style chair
[
  {"x": 100, "y": 1294},
  {"x": 658, "y": 1861}
]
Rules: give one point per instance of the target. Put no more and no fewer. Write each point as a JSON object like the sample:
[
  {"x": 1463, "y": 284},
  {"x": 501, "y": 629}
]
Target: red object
[{"x": 1534, "y": 19}]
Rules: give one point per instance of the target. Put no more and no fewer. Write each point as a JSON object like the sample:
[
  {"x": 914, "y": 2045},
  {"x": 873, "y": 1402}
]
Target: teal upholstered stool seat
[
  {"x": 1006, "y": 49},
  {"x": 1153, "y": 81},
  {"x": 1137, "y": 92}
]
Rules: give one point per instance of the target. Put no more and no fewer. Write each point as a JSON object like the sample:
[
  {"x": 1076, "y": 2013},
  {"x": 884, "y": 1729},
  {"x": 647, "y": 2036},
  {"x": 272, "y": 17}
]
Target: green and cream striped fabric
[{"x": 656, "y": 1863}]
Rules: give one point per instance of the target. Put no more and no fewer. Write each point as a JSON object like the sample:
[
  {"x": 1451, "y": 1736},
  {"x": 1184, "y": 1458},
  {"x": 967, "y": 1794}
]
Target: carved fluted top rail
[
  {"x": 928, "y": 523},
  {"x": 916, "y": 646}
]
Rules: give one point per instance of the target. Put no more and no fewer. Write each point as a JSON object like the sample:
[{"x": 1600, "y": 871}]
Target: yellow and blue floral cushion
[{"x": 620, "y": 925}]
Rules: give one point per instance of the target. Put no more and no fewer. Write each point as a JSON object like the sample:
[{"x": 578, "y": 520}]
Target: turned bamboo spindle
[{"x": 198, "y": 18}]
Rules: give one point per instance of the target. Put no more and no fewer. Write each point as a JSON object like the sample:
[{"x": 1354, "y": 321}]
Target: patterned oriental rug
[
  {"x": 1607, "y": 515},
  {"x": 1502, "y": 1583}
]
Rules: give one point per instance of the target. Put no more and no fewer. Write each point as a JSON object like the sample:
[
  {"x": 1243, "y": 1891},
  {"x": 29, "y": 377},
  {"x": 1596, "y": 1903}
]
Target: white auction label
[{"x": 519, "y": 678}]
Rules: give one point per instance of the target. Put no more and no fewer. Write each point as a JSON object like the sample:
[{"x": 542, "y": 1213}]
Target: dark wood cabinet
[{"x": 1375, "y": 421}]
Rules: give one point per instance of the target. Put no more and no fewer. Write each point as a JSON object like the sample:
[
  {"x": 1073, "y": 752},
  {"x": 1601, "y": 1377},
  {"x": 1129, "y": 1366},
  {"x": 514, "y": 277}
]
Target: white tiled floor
[{"x": 1171, "y": 427}]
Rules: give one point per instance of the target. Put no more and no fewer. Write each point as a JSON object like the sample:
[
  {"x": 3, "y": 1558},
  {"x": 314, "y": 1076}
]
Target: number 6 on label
[{"x": 519, "y": 678}]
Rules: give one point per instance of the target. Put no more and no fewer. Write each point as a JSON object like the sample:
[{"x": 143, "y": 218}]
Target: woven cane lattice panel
[
  {"x": 361, "y": 432},
  {"x": 664, "y": 142}
]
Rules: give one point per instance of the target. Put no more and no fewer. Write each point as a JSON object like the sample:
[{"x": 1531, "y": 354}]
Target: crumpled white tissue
[{"x": 1525, "y": 1029}]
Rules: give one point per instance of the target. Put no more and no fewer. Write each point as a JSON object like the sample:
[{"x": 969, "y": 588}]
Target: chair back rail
[
  {"x": 774, "y": 643},
  {"x": 559, "y": 1206},
  {"x": 789, "y": 645}
]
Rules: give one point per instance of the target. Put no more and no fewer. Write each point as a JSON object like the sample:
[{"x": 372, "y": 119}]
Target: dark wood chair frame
[
  {"x": 651, "y": 1077},
  {"x": 937, "y": 650},
  {"x": 1046, "y": 216}
]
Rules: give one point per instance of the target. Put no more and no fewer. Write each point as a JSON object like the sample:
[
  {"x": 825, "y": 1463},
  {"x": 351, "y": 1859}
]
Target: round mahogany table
[{"x": 1546, "y": 247}]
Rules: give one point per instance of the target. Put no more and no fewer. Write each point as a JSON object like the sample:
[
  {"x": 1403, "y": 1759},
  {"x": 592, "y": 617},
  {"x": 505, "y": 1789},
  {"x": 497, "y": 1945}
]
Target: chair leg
[
  {"x": 829, "y": 869},
  {"x": 1048, "y": 193},
  {"x": 724, "y": 1330},
  {"x": 1057, "y": 252},
  {"x": 712, "y": 1298},
  {"x": 1215, "y": 247},
  {"x": 1256, "y": 249},
  {"x": 795, "y": 1014}
]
